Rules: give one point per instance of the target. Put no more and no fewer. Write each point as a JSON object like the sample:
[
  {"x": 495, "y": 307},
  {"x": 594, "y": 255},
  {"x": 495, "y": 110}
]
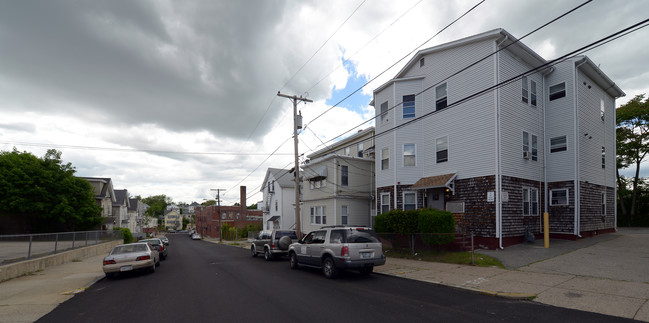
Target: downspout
[
  {"x": 577, "y": 137},
  {"x": 394, "y": 147},
  {"x": 545, "y": 148},
  {"x": 335, "y": 191},
  {"x": 499, "y": 220}
]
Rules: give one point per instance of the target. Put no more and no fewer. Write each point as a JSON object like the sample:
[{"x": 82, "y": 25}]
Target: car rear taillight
[
  {"x": 109, "y": 262},
  {"x": 344, "y": 251},
  {"x": 142, "y": 258},
  {"x": 272, "y": 246},
  {"x": 160, "y": 248}
]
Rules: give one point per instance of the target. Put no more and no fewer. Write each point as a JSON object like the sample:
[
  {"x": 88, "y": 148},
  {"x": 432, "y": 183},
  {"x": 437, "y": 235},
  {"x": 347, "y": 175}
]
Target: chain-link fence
[
  {"x": 20, "y": 247},
  {"x": 418, "y": 243}
]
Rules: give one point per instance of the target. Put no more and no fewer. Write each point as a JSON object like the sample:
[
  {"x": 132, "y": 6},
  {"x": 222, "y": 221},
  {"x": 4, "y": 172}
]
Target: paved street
[{"x": 202, "y": 281}]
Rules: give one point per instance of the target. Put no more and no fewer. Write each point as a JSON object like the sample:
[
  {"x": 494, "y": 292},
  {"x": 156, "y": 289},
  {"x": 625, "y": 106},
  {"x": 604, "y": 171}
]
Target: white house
[
  {"x": 493, "y": 158},
  {"x": 338, "y": 183},
  {"x": 279, "y": 199}
]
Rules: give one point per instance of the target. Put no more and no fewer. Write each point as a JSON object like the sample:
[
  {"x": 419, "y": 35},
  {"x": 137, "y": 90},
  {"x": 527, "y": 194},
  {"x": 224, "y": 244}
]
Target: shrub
[
  {"x": 431, "y": 222},
  {"x": 126, "y": 234}
]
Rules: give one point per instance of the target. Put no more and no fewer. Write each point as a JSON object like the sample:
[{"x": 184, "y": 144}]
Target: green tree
[
  {"x": 157, "y": 204},
  {"x": 632, "y": 137},
  {"x": 209, "y": 203},
  {"x": 43, "y": 195},
  {"x": 252, "y": 207}
]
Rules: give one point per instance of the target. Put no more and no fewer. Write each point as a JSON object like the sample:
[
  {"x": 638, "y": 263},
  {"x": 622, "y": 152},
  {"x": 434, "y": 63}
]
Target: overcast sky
[{"x": 178, "y": 97}]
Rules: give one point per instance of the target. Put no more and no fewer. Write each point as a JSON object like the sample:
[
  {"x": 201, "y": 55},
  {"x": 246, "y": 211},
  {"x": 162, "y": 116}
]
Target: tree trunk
[{"x": 621, "y": 188}]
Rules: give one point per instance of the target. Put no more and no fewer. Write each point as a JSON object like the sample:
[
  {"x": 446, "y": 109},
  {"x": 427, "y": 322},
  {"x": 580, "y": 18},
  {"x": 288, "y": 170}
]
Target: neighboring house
[
  {"x": 136, "y": 211},
  {"x": 279, "y": 199},
  {"x": 105, "y": 197},
  {"x": 173, "y": 220},
  {"x": 120, "y": 210},
  {"x": 207, "y": 218},
  {"x": 172, "y": 206},
  {"x": 338, "y": 183},
  {"x": 544, "y": 142}
]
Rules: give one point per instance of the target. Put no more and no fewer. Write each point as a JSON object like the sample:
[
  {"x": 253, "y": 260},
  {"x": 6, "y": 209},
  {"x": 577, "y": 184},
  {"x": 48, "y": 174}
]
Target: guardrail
[{"x": 19, "y": 247}]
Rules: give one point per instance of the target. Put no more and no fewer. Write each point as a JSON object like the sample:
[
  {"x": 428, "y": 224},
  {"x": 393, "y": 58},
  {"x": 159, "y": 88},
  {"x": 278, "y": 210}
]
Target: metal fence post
[
  {"x": 56, "y": 242},
  {"x": 74, "y": 235},
  {"x": 412, "y": 243},
  {"x": 86, "y": 238},
  {"x": 472, "y": 250},
  {"x": 29, "y": 252}
]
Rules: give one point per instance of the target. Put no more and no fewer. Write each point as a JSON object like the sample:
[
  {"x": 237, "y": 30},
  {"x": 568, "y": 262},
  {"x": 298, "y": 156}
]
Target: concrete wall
[{"x": 33, "y": 265}]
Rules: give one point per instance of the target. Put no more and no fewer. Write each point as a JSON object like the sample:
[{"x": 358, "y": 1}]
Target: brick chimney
[{"x": 242, "y": 197}]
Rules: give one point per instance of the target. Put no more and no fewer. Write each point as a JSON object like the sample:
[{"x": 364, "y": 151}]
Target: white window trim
[
  {"x": 438, "y": 150},
  {"x": 603, "y": 210},
  {"x": 403, "y": 159},
  {"x": 387, "y": 195},
  {"x": 314, "y": 214},
  {"x": 403, "y": 206},
  {"x": 344, "y": 216},
  {"x": 566, "y": 145},
  {"x": 560, "y": 189},
  {"x": 531, "y": 192},
  {"x": 384, "y": 158}
]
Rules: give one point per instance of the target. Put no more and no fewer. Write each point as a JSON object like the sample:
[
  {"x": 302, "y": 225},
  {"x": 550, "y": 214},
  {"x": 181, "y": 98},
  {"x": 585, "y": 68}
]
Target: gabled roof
[
  {"x": 499, "y": 35},
  {"x": 283, "y": 177},
  {"x": 106, "y": 188},
  {"x": 133, "y": 203},
  {"x": 342, "y": 143},
  {"x": 121, "y": 197}
]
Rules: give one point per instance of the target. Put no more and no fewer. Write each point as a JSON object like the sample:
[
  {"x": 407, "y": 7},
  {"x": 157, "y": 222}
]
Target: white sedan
[
  {"x": 130, "y": 257},
  {"x": 196, "y": 236}
]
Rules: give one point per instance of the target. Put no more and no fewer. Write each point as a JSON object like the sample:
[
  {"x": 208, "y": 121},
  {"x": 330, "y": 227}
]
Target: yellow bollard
[{"x": 546, "y": 230}]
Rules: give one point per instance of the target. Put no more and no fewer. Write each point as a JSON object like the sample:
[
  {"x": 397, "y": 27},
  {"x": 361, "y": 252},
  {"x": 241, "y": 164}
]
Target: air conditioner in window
[{"x": 526, "y": 154}]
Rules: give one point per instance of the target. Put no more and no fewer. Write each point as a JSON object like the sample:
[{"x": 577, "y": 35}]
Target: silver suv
[
  {"x": 272, "y": 243},
  {"x": 338, "y": 247}
]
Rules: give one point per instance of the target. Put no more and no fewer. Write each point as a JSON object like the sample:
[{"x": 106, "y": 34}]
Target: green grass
[{"x": 461, "y": 258}]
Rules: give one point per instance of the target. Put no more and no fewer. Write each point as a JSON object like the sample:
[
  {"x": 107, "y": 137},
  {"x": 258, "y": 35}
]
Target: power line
[{"x": 45, "y": 145}]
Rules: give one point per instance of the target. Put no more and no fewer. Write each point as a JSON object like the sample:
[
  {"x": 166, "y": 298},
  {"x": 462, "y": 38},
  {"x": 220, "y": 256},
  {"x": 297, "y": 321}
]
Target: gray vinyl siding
[
  {"x": 560, "y": 121},
  {"x": 387, "y": 94},
  {"x": 600, "y": 134},
  {"x": 518, "y": 117}
]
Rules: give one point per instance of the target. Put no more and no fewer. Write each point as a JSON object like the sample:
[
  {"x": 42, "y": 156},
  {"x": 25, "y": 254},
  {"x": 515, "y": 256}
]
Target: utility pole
[
  {"x": 295, "y": 99},
  {"x": 218, "y": 201}
]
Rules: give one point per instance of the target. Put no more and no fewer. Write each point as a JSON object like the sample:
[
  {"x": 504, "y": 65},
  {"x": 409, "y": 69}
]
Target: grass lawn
[{"x": 462, "y": 258}]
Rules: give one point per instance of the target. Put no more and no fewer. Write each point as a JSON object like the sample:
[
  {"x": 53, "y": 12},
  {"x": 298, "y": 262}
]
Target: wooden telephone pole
[{"x": 295, "y": 99}]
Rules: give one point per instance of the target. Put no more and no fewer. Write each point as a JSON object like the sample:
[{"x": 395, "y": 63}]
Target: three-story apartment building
[{"x": 486, "y": 128}]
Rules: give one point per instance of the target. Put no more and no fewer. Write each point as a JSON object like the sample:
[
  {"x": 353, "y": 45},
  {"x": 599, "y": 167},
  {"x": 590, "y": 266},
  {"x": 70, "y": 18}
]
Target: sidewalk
[
  {"x": 547, "y": 276},
  {"x": 28, "y": 298}
]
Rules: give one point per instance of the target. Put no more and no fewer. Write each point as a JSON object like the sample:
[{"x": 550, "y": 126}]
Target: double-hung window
[
  {"x": 441, "y": 97},
  {"x": 603, "y": 203},
  {"x": 409, "y": 155},
  {"x": 385, "y": 202},
  {"x": 603, "y": 157},
  {"x": 525, "y": 92},
  {"x": 359, "y": 149},
  {"x": 343, "y": 215},
  {"x": 557, "y": 91},
  {"x": 441, "y": 148},
  {"x": 530, "y": 201},
  {"x": 344, "y": 175},
  {"x": 347, "y": 151},
  {"x": 530, "y": 146},
  {"x": 409, "y": 201},
  {"x": 602, "y": 109},
  {"x": 533, "y": 93},
  {"x": 408, "y": 106},
  {"x": 384, "y": 112},
  {"x": 385, "y": 158},
  {"x": 318, "y": 215}
]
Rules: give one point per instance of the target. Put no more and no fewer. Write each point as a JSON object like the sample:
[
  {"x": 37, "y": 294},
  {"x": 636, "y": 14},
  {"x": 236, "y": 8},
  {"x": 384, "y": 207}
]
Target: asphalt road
[{"x": 206, "y": 282}]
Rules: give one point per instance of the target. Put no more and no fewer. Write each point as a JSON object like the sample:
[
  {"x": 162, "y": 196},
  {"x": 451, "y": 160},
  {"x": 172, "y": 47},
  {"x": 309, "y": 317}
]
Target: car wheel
[
  {"x": 267, "y": 255},
  {"x": 366, "y": 271},
  {"x": 292, "y": 260},
  {"x": 253, "y": 251},
  {"x": 329, "y": 268},
  {"x": 152, "y": 269},
  {"x": 110, "y": 275}
]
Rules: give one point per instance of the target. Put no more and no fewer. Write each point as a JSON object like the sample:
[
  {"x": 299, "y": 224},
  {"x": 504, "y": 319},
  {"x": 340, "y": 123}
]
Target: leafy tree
[
  {"x": 252, "y": 207},
  {"x": 43, "y": 195},
  {"x": 209, "y": 203},
  {"x": 632, "y": 137},
  {"x": 157, "y": 204}
]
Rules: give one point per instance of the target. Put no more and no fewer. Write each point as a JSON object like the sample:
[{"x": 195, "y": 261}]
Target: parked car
[
  {"x": 338, "y": 247},
  {"x": 165, "y": 240},
  {"x": 159, "y": 245},
  {"x": 131, "y": 257},
  {"x": 273, "y": 243},
  {"x": 196, "y": 236}
]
